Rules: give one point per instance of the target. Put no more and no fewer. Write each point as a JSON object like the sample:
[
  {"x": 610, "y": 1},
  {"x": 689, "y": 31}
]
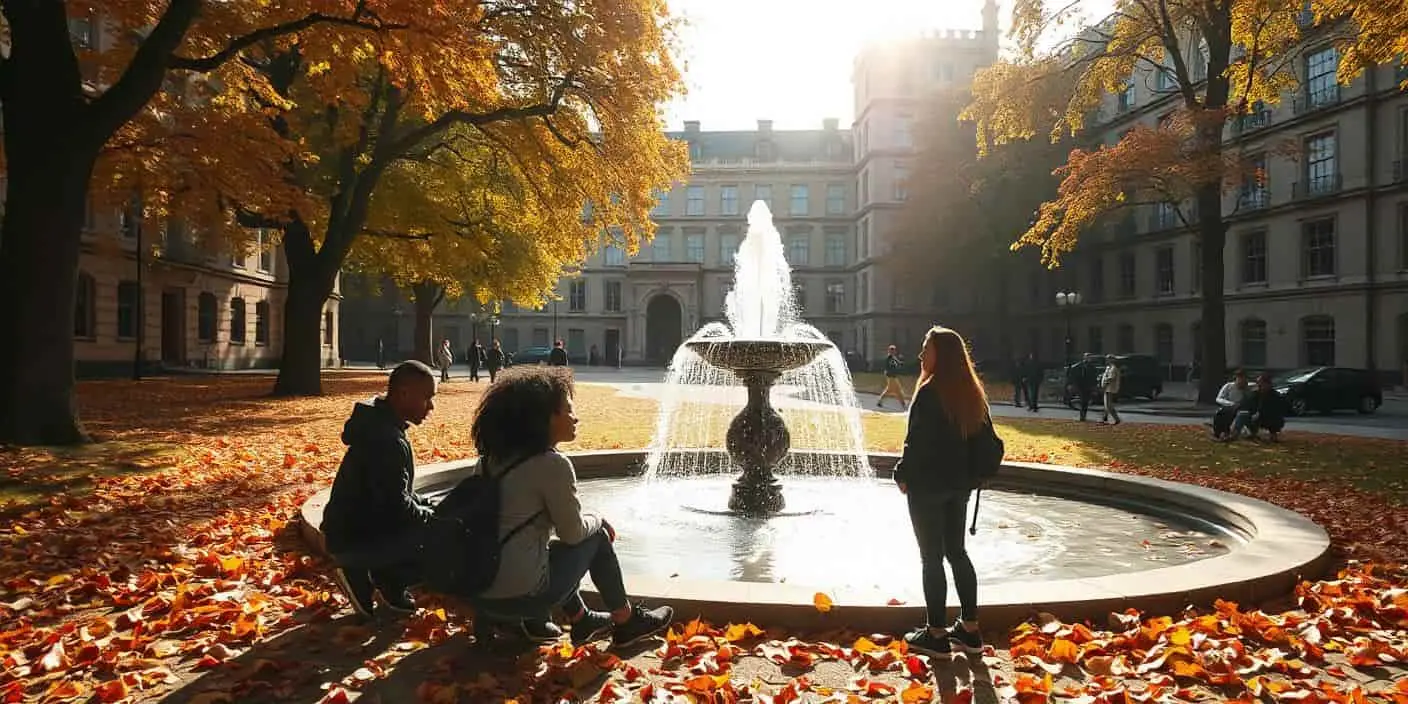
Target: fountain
[{"x": 763, "y": 340}]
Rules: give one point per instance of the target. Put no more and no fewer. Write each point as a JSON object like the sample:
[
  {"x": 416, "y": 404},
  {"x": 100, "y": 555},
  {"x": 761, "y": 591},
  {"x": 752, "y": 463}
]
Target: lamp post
[
  {"x": 1066, "y": 300},
  {"x": 493, "y": 328},
  {"x": 135, "y": 222},
  {"x": 473, "y": 329},
  {"x": 554, "y": 322}
]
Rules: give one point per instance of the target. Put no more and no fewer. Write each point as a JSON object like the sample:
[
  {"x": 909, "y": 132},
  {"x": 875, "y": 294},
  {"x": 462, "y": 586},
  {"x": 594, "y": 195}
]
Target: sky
[{"x": 790, "y": 60}]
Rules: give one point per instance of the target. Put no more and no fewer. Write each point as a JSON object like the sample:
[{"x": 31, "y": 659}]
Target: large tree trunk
[
  {"x": 427, "y": 297},
  {"x": 311, "y": 278},
  {"x": 1212, "y": 233}
]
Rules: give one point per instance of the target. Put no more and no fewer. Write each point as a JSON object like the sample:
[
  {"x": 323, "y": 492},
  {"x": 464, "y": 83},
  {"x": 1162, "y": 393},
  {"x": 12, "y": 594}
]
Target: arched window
[
  {"x": 205, "y": 317},
  {"x": 261, "y": 323},
  {"x": 1317, "y": 340},
  {"x": 1252, "y": 335},
  {"x": 84, "y": 324},
  {"x": 1163, "y": 342},
  {"x": 238, "y": 323}
]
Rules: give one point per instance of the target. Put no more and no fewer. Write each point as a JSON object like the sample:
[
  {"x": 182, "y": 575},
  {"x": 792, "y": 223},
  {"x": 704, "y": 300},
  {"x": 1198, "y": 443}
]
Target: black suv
[
  {"x": 1142, "y": 376},
  {"x": 1329, "y": 389}
]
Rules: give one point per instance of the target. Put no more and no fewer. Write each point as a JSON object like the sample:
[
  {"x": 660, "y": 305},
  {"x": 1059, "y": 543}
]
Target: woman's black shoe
[
  {"x": 591, "y": 627},
  {"x": 966, "y": 640},
  {"x": 357, "y": 585},
  {"x": 923, "y": 640},
  {"x": 642, "y": 624}
]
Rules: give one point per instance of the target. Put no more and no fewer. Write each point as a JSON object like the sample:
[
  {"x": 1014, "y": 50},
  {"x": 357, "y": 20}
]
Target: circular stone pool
[{"x": 855, "y": 533}]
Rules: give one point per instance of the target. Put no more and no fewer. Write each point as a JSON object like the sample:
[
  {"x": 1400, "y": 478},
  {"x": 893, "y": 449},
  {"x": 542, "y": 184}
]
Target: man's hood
[{"x": 370, "y": 419}]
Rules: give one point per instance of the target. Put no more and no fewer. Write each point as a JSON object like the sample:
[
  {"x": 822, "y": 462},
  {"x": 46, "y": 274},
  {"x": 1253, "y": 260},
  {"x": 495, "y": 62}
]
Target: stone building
[
  {"x": 1316, "y": 256},
  {"x": 193, "y": 307}
]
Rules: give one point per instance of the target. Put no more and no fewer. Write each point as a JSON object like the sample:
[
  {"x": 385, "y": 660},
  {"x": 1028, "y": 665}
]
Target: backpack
[
  {"x": 985, "y": 452},
  {"x": 462, "y": 549}
]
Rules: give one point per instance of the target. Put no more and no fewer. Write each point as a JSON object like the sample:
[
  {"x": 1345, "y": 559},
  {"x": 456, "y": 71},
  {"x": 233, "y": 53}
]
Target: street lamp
[
  {"x": 1066, "y": 300},
  {"x": 493, "y": 328}
]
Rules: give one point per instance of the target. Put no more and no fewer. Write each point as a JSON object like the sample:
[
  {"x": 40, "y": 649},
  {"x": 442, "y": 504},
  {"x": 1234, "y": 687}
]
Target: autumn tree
[
  {"x": 568, "y": 92},
  {"x": 63, "y": 102},
  {"x": 965, "y": 208},
  {"x": 1207, "y": 60}
]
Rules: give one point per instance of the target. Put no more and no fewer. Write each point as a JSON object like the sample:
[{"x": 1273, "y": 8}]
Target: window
[
  {"x": 238, "y": 257},
  {"x": 328, "y": 328},
  {"x": 1124, "y": 337},
  {"x": 1196, "y": 256},
  {"x": 129, "y": 219},
  {"x": 835, "y": 297},
  {"x": 1127, "y": 275},
  {"x": 763, "y": 192},
  {"x": 799, "y": 295},
  {"x": 614, "y": 255},
  {"x": 261, "y": 323},
  {"x": 1097, "y": 279},
  {"x": 1097, "y": 340},
  {"x": 1254, "y": 257},
  {"x": 1317, "y": 335},
  {"x": 728, "y": 249},
  {"x": 266, "y": 251},
  {"x": 863, "y": 292},
  {"x": 901, "y": 181},
  {"x": 799, "y": 250},
  {"x": 1319, "y": 247},
  {"x": 577, "y": 296},
  {"x": 576, "y": 342},
  {"x": 835, "y": 199},
  {"x": 694, "y": 200},
  {"x": 835, "y": 249},
  {"x": 1321, "y": 175},
  {"x": 1252, "y": 335},
  {"x": 1163, "y": 342},
  {"x": 237, "y": 321},
  {"x": 1163, "y": 270},
  {"x": 694, "y": 248},
  {"x": 799, "y": 199},
  {"x": 1126, "y": 99},
  {"x": 728, "y": 200},
  {"x": 129, "y": 302},
  {"x": 205, "y": 317},
  {"x": 660, "y": 247},
  {"x": 864, "y": 194},
  {"x": 613, "y": 296},
  {"x": 662, "y": 204},
  {"x": 509, "y": 339},
  {"x": 540, "y": 337},
  {"x": 1320, "y": 84},
  {"x": 1253, "y": 195},
  {"x": 904, "y": 133},
  {"x": 84, "y": 324},
  {"x": 864, "y": 248}
]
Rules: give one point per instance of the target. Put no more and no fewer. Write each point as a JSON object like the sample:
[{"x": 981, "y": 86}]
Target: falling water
[{"x": 820, "y": 407}]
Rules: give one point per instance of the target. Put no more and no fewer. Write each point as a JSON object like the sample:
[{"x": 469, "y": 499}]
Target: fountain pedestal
[{"x": 757, "y": 440}]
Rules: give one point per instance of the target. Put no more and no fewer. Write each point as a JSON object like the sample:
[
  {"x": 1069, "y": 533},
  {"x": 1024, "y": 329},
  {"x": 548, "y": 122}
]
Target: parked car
[
  {"x": 1142, "y": 377},
  {"x": 532, "y": 355},
  {"x": 1329, "y": 389}
]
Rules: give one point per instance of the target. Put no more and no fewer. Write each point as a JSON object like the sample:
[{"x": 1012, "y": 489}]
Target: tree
[
  {"x": 62, "y": 105},
  {"x": 566, "y": 92},
  {"x": 1380, "y": 36},
  {"x": 1210, "y": 59},
  {"x": 974, "y": 204}
]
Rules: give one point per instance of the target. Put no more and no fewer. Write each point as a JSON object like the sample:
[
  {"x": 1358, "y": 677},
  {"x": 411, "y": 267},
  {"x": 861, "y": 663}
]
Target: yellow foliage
[{"x": 1380, "y": 32}]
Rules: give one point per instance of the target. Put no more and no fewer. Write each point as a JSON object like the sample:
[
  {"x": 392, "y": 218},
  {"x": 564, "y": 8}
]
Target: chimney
[
  {"x": 830, "y": 124},
  {"x": 691, "y": 126},
  {"x": 765, "y": 126}
]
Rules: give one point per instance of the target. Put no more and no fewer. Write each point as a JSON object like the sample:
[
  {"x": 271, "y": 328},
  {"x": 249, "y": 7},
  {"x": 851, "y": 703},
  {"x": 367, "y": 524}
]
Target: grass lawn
[
  {"x": 874, "y": 383},
  {"x": 164, "y": 560}
]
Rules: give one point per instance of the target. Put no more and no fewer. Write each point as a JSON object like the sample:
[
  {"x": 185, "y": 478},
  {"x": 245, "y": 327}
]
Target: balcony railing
[
  {"x": 1160, "y": 220},
  {"x": 1318, "y": 186},
  {"x": 1317, "y": 99},
  {"x": 1254, "y": 199},
  {"x": 1251, "y": 122}
]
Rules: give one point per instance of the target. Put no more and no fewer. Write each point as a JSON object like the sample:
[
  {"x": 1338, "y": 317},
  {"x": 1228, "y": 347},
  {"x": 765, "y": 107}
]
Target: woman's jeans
[
  {"x": 938, "y": 520},
  {"x": 567, "y": 564}
]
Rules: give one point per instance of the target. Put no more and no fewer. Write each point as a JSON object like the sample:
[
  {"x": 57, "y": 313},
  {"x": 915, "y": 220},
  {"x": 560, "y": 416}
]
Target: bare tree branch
[
  {"x": 424, "y": 133},
  {"x": 361, "y": 18}
]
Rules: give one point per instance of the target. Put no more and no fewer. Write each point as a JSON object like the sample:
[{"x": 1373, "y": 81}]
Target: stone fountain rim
[{"x": 1282, "y": 548}]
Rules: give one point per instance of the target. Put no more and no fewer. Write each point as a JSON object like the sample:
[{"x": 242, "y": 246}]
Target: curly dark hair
[{"x": 514, "y": 415}]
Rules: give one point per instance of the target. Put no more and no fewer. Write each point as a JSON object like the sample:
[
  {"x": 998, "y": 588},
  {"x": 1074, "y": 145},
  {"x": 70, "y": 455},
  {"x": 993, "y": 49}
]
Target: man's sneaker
[
  {"x": 539, "y": 630},
  {"x": 966, "y": 640},
  {"x": 642, "y": 624},
  {"x": 591, "y": 627},
  {"x": 397, "y": 601},
  {"x": 923, "y": 640},
  {"x": 357, "y": 585}
]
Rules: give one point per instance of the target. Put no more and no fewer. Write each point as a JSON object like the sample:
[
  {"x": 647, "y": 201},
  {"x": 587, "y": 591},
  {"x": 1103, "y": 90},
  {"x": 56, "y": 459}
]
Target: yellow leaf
[{"x": 822, "y": 602}]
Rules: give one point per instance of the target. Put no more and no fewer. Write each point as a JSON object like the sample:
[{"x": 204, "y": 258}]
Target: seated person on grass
[
  {"x": 374, "y": 520},
  {"x": 1266, "y": 409},
  {"x": 519, "y": 423},
  {"x": 1230, "y": 418}
]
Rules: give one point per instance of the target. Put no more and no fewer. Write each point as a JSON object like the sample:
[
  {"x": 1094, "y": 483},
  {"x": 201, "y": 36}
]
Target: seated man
[
  {"x": 1230, "y": 418},
  {"x": 374, "y": 519},
  {"x": 1267, "y": 409}
]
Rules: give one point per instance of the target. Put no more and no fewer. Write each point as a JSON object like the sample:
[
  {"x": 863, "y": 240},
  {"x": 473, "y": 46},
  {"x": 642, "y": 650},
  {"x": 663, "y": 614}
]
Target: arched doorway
[{"x": 664, "y": 327}]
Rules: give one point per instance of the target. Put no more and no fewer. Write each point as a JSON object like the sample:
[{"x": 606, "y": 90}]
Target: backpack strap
[
  {"x": 499, "y": 478},
  {"x": 977, "y": 500}
]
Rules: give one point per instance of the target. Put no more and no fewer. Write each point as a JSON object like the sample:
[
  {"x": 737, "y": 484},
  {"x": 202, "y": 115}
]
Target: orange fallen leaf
[{"x": 822, "y": 602}]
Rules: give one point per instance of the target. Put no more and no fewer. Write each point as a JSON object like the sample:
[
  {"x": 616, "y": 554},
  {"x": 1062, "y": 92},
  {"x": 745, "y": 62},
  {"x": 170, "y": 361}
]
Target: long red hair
[{"x": 953, "y": 378}]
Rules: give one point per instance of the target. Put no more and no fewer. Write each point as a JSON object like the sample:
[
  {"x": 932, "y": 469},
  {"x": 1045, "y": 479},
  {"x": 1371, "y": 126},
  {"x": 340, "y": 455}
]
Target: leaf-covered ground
[{"x": 162, "y": 564}]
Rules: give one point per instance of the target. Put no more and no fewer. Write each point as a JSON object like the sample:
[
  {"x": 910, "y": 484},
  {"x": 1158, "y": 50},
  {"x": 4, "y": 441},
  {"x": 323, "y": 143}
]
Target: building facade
[{"x": 1316, "y": 257}]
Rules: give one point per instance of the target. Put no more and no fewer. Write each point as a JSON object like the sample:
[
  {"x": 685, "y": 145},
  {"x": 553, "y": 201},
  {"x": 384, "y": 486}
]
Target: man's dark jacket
[
  {"x": 372, "y": 496},
  {"x": 557, "y": 357}
]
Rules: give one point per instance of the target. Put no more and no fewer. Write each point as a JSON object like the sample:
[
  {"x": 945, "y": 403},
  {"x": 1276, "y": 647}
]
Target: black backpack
[
  {"x": 985, "y": 452},
  {"x": 462, "y": 548}
]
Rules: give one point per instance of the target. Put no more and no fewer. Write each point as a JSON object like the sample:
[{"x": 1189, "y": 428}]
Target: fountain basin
[
  {"x": 1269, "y": 550},
  {"x": 737, "y": 354}
]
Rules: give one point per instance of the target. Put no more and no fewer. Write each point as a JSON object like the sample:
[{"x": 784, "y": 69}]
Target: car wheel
[
  {"x": 1368, "y": 405},
  {"x": 1298, "y": 407}
]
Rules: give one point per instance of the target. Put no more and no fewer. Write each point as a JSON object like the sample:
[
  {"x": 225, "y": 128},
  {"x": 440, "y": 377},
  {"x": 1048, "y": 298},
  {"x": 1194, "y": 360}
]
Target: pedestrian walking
[
  {"x": 446, "y": 358},
  {"x": 1110, "y": 388},
  {"x": 893, "y": 364}
]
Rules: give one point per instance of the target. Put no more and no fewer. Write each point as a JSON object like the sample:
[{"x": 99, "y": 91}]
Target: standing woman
[{"x": 949, "y": 449}]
